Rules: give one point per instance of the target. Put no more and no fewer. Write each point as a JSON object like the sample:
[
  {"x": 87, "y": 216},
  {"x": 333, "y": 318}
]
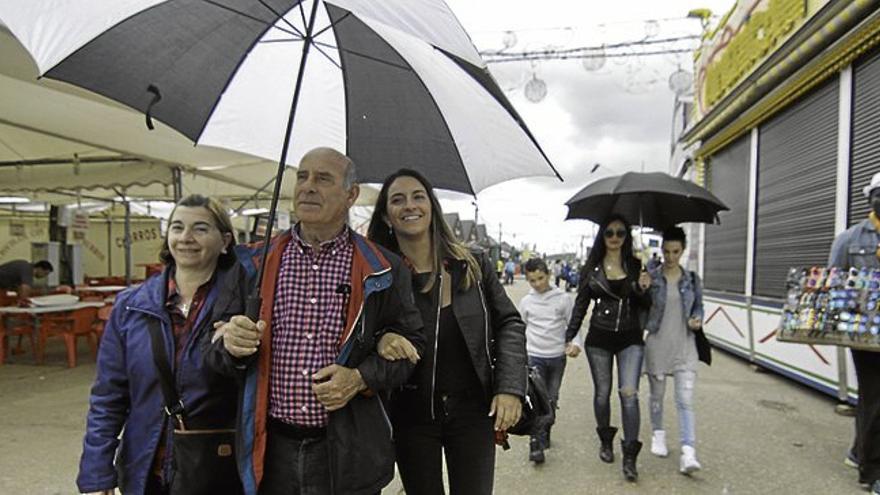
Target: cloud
[{"x": 619, "y": 116}]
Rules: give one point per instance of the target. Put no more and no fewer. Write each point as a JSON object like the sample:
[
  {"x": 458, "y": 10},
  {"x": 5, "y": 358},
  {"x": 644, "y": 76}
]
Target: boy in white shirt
[{"x": 546, "y": 311}]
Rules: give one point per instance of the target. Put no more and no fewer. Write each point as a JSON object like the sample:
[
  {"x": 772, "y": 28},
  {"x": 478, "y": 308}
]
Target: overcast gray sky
[{"x": 618, "y": 116}]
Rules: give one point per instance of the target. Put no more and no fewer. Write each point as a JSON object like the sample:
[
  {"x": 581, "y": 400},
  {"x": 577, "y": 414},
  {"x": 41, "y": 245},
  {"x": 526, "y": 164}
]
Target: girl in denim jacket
[{"x": 670, "y": 348}]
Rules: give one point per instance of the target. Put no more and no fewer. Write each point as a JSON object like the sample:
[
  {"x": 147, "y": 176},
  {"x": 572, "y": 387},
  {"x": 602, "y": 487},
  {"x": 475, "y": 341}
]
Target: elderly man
[
  {"x": 312, "y": 418},
  {"x": 19, "y": 275},
  {"x": 859, "y": 247}
]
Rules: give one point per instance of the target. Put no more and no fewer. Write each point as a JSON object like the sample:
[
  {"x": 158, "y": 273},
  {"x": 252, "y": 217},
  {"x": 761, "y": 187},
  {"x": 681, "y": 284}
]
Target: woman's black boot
[
  {"x": 630, "y": 453},
  {"x": 606, "y": 436}
]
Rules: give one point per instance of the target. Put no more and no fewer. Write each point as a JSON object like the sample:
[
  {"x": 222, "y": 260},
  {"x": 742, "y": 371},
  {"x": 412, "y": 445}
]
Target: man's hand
[
  {"x": 394, "y": 347},
  {"x": 335, "y": 385},
  {"x": 572, "y": 350},
  {"x": 241, "y": 336},
  {"x": 695, "y": 323},
  {"x": 24, "y": 291},
  {"x": 507, "y": 409}
]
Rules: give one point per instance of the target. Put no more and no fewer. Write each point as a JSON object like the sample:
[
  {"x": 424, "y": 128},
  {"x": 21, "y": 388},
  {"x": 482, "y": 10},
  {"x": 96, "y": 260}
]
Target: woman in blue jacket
[{"x": 202, "y": 283}]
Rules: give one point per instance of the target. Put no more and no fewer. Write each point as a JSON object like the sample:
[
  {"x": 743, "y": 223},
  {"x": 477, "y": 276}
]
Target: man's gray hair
[{"x": 350, "y": 177}]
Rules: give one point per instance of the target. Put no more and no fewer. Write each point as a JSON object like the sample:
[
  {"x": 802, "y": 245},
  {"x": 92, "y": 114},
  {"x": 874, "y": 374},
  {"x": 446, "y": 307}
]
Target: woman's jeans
[
  {"x": 684, "y": 402},
  {"x": 629, "y": 368},
  {"x": 464, "y": 433}
]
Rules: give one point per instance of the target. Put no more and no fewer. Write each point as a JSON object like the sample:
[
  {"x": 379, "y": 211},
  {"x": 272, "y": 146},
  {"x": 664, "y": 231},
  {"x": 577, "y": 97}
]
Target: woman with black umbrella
[{"x": 613, "y": 278}]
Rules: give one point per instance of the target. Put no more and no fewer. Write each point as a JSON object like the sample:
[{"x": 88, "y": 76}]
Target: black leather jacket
[
  {"x": 493, "y": 331},
  {"x": 611, "y": 312}
]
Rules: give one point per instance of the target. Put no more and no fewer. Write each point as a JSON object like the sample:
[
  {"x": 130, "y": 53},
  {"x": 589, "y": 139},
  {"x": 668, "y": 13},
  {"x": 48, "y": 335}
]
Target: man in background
[
  {"x": 859, "y": 247},
  {"x": 19, "y": 275}
]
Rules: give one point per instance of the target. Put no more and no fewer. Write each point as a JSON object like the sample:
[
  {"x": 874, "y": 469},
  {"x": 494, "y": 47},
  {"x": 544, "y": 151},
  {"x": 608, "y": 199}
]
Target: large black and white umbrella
[{"x": 394, "y": 83}]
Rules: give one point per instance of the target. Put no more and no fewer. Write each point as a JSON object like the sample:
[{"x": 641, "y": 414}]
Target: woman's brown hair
[
  {"x": 221, "y": 221},
  {"x": 444, "y": 244}
]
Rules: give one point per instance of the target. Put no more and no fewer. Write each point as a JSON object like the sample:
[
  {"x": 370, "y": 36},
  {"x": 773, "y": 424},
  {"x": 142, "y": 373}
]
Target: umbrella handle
[{"x": 252, "y": 306}]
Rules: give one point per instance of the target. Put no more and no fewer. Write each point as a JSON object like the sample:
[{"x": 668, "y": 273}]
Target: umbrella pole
[
  {"x": 255, "y": 300},
  {"x": 641, "y": 236}
]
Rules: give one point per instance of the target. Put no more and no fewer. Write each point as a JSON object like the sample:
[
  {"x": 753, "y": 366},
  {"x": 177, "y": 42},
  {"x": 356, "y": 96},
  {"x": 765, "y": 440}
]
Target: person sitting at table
[
  {"x": 19, "y": 275},
  {"x": 201, "y": 283}
]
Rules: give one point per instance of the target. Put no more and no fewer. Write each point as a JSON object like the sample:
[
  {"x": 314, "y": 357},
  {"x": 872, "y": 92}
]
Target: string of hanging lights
[
  {"x": 597, "y": 51},
  {"x": 594, "y": 57}
]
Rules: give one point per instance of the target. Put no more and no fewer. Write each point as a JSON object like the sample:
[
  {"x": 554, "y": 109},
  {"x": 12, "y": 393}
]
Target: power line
[
  {"x": 594, "y": 51},
  {"x": 574, "y": 28},
  {"x": 610, "y": 46},
  {"x": 564, "y": 56}
]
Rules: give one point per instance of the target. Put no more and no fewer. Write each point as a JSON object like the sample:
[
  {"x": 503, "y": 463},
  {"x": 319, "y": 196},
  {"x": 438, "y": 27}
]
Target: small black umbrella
[{"x": 654, "y": 199}]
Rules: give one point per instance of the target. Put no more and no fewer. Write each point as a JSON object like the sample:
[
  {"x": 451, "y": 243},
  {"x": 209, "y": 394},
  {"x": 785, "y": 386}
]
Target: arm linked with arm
[
  {"x": 400, "y": 315},
  {"x": 216, "y": 356}
]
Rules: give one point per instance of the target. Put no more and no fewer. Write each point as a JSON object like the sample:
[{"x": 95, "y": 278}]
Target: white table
[
  {"x": 100, "y": 288},
  {"x": 38, "y": 310}
]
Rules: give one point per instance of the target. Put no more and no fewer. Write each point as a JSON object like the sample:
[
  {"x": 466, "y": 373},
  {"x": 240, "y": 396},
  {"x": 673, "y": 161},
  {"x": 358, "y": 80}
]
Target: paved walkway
[{"x": 757, "y": 433}]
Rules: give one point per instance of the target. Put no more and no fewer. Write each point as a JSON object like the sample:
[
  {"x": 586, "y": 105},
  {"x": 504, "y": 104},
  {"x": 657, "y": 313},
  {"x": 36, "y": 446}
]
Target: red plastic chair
[
  {"x": 14, "y": 325},
  {"x": 98, "y": 326},
  {"x": 18, "y": 325},
  {"x": 68, "y": 325}
]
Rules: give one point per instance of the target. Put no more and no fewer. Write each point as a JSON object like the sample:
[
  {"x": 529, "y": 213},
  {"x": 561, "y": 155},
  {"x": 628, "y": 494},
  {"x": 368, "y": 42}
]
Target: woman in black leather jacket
[
  {"x": 472, "y": 377},
  {"x": 614, "y": 282}
]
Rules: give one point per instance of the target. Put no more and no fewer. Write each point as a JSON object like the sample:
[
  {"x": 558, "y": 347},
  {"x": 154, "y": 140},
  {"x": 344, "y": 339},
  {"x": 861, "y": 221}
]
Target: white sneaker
[
  {"x": 688, "y": 463},
  {"x": 658, "y": 444}
]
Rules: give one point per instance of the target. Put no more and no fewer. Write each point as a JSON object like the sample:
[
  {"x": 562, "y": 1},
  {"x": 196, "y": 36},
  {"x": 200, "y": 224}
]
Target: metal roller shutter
[
  {"x": 797, "y": 170},
  {"x": 724, "y": 265},
  {"x": 865, "y": 134}
]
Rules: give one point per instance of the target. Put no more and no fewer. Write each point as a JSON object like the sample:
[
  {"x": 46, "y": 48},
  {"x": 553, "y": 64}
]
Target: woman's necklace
[
  {"x": 184, "y": 308},
  {"x": 609, "y": 266}
]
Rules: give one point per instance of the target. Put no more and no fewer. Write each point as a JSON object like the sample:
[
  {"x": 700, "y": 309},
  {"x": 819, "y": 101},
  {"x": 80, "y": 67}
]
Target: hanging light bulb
[
  {"x": 536, "y": 89},
  {"x": 508, "y": 40},
  {"x": 595, "y": 61},
  {"x": 681, "y": 82},
  {"x": 652, "y": 28}
]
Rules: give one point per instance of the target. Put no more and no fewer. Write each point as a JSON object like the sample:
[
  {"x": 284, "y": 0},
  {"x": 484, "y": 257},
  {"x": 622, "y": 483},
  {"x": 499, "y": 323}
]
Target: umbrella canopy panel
[{"x": 393, "y": 83}]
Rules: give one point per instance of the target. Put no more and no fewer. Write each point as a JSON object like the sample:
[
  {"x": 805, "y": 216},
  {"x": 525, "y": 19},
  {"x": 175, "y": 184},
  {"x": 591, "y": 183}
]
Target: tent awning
[{"x": 48, "y": 120}]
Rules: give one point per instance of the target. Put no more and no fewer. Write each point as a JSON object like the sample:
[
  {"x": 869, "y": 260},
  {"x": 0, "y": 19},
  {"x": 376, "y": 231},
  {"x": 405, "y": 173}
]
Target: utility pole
[
  {"x": 499, "y": 232},
  {"x": 581, "y": 251}
]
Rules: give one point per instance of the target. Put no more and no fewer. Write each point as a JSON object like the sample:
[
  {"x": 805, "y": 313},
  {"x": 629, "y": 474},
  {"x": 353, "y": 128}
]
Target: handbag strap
[{"x": 173, "y": 404}]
